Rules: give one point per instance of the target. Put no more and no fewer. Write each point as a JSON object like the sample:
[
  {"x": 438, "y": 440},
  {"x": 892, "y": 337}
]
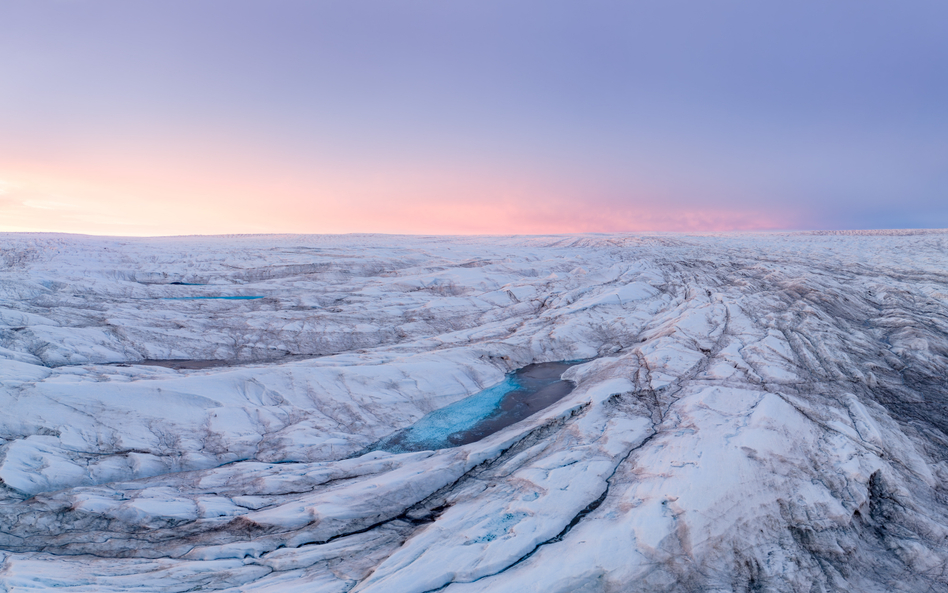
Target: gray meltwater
[{"x": 521, "y": 394}]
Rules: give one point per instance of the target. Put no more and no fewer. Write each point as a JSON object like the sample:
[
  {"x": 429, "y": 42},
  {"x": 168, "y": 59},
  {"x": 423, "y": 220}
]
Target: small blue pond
[
  {"x": 520, "y": 395},
  {"x": 227, "y": 298}
]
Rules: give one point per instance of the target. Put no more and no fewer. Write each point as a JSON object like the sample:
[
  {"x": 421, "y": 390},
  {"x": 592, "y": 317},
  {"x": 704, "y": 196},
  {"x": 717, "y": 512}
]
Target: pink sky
[
  {"x": 155, "y": 198},
  {"x": 475, "y": 116}
]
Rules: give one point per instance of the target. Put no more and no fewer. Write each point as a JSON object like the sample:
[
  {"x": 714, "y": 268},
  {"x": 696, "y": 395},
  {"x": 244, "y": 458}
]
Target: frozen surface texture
[{"x": 760, "y": 413}]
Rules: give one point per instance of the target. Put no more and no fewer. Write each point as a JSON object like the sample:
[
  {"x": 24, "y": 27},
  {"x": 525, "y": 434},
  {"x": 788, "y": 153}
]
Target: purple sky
[{"x": 148, "y": 117}]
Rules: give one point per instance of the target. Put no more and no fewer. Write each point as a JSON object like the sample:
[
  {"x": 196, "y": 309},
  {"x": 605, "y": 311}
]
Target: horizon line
[{"x": 907, "y": 230}]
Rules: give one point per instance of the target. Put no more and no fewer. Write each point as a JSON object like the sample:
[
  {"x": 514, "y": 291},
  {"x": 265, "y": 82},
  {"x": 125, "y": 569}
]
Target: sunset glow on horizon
[
  {"x": 470, "y": 118},
  {"x": 38, "y": 201}
]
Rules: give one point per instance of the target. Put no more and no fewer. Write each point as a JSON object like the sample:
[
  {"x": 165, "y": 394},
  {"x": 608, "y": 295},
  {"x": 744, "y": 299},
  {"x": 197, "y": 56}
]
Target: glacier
[{"x": 749, "y": 412}]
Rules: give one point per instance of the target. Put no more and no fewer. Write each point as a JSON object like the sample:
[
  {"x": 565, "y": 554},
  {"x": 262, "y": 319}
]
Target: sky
[{"x": 472, "y": 116}]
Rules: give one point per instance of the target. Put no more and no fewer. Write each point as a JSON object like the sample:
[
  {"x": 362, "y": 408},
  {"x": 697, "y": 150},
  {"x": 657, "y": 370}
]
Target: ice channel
[{"x": 521, "y": 394}]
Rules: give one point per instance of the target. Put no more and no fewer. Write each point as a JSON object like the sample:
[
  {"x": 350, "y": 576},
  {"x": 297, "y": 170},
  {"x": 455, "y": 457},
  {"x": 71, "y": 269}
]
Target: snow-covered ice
[{"x": 759, "y": 412}]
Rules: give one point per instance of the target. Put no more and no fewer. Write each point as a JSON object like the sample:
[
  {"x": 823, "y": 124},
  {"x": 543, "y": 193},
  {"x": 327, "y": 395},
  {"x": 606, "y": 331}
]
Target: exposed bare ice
[{"x": 763, "y": 412}]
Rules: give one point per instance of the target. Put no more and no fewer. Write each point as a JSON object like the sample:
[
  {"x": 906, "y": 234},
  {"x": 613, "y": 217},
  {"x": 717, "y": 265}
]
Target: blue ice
[
  {"x": 229, "y": 298},
  {"x": 433, "y": 430}
]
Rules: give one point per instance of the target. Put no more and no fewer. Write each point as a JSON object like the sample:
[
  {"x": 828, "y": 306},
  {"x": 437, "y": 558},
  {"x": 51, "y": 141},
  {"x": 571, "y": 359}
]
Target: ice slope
[{"x": 764, "y": 412}]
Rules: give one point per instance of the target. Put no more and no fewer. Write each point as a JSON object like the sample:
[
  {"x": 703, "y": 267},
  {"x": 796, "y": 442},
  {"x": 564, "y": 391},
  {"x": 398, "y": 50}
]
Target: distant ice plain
[{"x": 760, "y": 412}]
